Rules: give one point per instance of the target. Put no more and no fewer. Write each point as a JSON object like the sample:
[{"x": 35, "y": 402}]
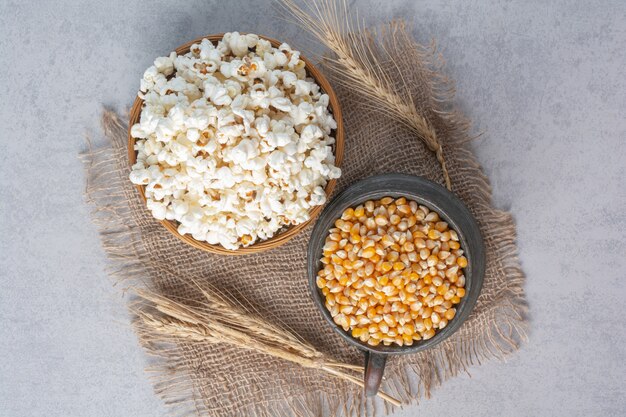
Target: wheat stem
[
  {"x": 357, "y": 65},
  {"x": 215, "y": 320}
]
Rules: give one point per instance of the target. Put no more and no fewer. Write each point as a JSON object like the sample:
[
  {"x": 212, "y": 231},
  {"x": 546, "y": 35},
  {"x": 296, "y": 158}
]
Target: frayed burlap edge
[{"x": 108, "y": 191}]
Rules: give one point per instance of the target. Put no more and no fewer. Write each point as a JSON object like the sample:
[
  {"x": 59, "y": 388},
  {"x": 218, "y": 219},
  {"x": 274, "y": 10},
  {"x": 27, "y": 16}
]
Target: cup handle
[{"x": 374, "y": 368}]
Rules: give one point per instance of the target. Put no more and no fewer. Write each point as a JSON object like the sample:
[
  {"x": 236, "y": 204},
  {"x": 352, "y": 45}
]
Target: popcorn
[{"x": 234, "y": 141}]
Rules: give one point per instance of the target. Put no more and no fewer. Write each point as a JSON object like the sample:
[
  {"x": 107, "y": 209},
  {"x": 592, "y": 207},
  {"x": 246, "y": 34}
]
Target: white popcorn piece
[{"x": 234, "y": 142}]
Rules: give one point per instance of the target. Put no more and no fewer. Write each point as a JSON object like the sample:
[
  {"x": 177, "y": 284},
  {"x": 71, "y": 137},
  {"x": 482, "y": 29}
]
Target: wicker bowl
[{"x": 289, "y": 232}]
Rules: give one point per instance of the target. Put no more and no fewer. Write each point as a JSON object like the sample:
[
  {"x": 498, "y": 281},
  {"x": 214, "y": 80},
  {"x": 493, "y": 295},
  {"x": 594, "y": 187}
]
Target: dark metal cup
[{"x": 449, "y": 208}]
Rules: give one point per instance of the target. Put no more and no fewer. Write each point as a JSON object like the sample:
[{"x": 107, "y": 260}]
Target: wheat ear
[
  {"x": 356, "y": 59},
  {"x": 216, "y": 320}
]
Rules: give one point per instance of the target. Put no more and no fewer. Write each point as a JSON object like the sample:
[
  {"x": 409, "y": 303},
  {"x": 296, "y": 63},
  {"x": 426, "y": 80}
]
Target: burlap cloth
[{"x": 223, "y": 381}]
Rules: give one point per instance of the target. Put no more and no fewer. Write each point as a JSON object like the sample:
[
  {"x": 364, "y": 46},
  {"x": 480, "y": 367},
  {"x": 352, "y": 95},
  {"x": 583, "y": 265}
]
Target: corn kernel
[
  {"x": 428, "y": 323},
  {"x": 449, "y": 314},
  {"x": 428, "y": 334},
  {"x": 347, "y": 214},
  {"x": 386, "y": 266},
  {"x": 381, "y": 220},
  {"x": 434, "y": 234},
  {"x": 398, "y": 266}
]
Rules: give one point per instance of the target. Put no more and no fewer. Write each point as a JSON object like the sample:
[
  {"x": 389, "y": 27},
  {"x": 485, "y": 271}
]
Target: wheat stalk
[
  {"x": 216, "y": 320},
  {"x": 358, "y": 66}
]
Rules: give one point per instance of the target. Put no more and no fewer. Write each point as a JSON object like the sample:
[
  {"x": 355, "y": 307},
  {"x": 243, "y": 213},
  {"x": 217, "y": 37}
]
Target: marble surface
[{"x": 544, "y": 81}]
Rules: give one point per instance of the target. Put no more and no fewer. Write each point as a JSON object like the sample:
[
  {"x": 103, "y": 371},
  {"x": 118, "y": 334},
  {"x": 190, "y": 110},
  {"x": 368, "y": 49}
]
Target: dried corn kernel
[{"x": 392, "y": 272}]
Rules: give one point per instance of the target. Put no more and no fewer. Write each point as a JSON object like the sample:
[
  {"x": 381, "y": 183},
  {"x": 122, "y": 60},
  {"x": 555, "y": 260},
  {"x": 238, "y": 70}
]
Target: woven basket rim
[{"x": 290, "y": 232}]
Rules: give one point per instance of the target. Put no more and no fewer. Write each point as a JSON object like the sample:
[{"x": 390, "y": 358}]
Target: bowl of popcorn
[
  {"x": 395, "y": 265},
  {"x": 235, "y": 142}
]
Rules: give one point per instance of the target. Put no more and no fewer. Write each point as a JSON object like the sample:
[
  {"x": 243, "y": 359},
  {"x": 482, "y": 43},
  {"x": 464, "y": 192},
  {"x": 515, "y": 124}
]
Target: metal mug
[{"x": 436, "y": 198}]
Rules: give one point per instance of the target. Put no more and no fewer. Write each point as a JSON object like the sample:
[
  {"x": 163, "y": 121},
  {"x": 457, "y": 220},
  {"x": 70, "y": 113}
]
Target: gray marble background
[{"x": 545, "y": 81}]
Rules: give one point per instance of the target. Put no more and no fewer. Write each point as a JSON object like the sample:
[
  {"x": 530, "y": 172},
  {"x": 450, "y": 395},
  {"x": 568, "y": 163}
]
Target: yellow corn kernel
[
  {"x": 331, "y": 246},
  {"x": 357, "y": 332},
  {"x": 454, "y": 245},
  {"x": 431, "y": 217},
  {"x": 428, "y": 334},
  {"x": 347, "y": 214},
  {"x": 440, "y": 309},
  {"x": 368, "y": 252},
  {"x": 385, "y": 201},
  {"x": 441, "y": 226},
  {"x": 387, "y": 241},
  {"x": 384, "y": 327},
  {"x": 461, "y": 281},
  {"x": 411, "y": 288},
  {"x": 335, "y": 237},
  {"x": 461, "y": 261},
  {"x": 416, "y": 306},
  {"x": 428, "y": 323},
  {"x": 381, "y": 220},
  {"x": 346, "y": 226},
  {"x": 455, "y": 300},
  {"x": 403, "y": 208},
  {"x": 386, "y": 266},
  {"x": 449, "y": 314},
  {"x": 398, "y": 266},
  {"x": 434, "y": 234},
  {"x": 460, "y": 292},
  {"x": 369, "y": 282},
  {"x": 390, "y": 320}
]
